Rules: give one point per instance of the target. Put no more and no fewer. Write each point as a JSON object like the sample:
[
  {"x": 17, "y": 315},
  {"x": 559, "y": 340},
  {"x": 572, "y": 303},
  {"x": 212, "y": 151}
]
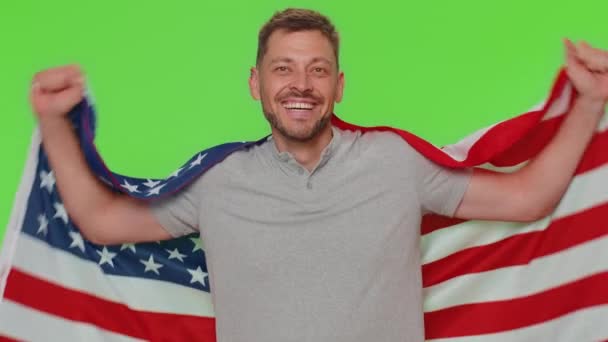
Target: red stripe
[
  {"x": 433, "y": 222},
  {"x": 497, "y": 316},
  {"x": 6, "y": 339},
  {"x": 520, "y": 249},
  {"x": 74, "y": 305},
  {"x": 529, "y": 145}
]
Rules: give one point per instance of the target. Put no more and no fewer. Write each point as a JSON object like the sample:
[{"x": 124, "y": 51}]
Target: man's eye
[
  {"x": 319, "y": 70},
  {"x": 281, "y": 68}
]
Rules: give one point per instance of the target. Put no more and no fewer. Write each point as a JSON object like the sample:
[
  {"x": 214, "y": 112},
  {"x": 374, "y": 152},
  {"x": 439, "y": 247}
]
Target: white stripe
[
  {"x": 561, "y": 103},
  {"x": 18, "y": 211},
  {"x": 23, "y": 323},
  {"x": 517, "y": 281},
  {"x": 585, "y": 191},
  {"x": 503, "y": 169},
  {"x": 57, "y": 266},
  {"x": 583, "y": 325}
]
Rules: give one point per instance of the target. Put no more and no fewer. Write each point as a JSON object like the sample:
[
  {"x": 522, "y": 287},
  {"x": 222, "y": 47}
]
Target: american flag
[{"x": 483, "y": 280}]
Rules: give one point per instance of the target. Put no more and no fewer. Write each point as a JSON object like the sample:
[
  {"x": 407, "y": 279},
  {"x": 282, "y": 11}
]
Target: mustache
[{"x": 301, "y": 95}]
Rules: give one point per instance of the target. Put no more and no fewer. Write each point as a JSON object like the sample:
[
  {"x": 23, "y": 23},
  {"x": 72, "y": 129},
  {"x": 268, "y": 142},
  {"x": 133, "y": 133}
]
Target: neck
[{"x": 306, "y": 153}]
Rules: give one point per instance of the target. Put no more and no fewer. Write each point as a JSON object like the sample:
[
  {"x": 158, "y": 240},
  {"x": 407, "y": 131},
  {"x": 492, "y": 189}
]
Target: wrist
[
  {"x": 51, "y": 126},
  {"x": 590, "y": 104}
]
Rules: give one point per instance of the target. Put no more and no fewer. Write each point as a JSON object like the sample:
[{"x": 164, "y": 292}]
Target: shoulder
[
  {"x": 386, "y": 144},
  {"x": 246, "y": 162}
]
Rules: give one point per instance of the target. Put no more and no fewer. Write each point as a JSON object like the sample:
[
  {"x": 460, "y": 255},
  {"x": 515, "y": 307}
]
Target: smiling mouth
[{"x": 298, "y": 105}]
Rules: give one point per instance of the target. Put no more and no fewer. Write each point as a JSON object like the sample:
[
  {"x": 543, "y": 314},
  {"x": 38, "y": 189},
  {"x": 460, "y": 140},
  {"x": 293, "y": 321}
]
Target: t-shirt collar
[{"x": 327, "y": 152}]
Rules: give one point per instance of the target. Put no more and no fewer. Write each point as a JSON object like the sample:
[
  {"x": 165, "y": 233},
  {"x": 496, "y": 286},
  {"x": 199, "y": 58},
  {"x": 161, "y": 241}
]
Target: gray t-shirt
[{"x": 327, "y": 255}]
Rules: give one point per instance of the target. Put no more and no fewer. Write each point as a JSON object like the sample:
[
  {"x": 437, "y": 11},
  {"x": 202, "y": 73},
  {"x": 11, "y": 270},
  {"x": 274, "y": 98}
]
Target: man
[{"x": 323, "y": 222}]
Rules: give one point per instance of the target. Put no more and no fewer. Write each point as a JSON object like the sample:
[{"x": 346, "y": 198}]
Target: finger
[
  {"x": 596, "y": 60},
  {"x": 572, "y": 57},
  {"x": 58, "y": 78},
  {"x": 74, "y": 94},
  {"x": 570, "y": 48},
  {"x": 603, "y": 59},
  {"x": 569, "y": 44},
  {"x": 574, "y": 65}
]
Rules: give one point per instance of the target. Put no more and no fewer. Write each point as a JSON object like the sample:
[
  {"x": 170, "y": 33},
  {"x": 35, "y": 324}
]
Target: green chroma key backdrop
[{"x": 170, "y": 78}]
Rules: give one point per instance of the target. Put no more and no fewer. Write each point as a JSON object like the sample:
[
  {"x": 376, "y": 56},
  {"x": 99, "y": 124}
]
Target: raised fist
[
  {"x": 587, "y": 68},
  {"x": 56, "y": 91}
]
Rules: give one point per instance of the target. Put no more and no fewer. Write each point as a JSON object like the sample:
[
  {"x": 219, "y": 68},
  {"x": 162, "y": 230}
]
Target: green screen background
[{"x": 171, "y": 79}]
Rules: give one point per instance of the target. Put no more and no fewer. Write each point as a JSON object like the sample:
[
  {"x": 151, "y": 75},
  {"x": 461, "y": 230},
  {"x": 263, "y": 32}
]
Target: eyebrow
[{"x": 290, "y": 60}]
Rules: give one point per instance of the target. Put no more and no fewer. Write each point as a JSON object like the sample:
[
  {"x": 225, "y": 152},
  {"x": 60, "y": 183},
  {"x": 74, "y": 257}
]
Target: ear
[
  {"x": 340, "y": 87},
  {"x": 254, "y": 84}
]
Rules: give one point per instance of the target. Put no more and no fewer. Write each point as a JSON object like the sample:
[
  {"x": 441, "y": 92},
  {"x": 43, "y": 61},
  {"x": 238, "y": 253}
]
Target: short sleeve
[
  {"x": 178, "y": 214},
  {"x": 440, "y": 188}
]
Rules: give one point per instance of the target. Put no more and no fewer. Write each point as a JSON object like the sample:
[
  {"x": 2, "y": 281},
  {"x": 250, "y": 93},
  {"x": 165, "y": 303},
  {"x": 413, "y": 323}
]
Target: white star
[
  {"x": 77, "y": 241},
  {"x": 43, "y": 227},
  {"x": 130, "y": 246},
  {"x": 197, "y": 275},
  {"x": 47, "y": 180},
  {"x": 198, "y": 160},
  {"x": 175, "y": 173},
  {"x": 175, "y": 254},
  {"x": 150, "y": 183},
  {"x": 106, "y": 257},
  {"x": 155, "y": 191},
  {"x": 197, "y": 244},
  {"x": 60, "y": 212},
  {"x": 151, "y": 265},
  {"x": 129, "y": 187}
]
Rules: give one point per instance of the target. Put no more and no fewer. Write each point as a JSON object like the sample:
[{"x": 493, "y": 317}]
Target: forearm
[
  {"x": 547, "y": 176},
  {"x": 82, "y": 193}
]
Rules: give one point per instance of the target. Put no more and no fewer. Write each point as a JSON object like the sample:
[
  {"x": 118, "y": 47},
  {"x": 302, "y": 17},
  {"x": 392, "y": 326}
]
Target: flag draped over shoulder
[{"x": 483, "y": 280}]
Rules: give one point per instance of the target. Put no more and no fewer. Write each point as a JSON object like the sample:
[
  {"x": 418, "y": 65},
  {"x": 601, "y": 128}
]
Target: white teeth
[{"x": 298, "y": 105}]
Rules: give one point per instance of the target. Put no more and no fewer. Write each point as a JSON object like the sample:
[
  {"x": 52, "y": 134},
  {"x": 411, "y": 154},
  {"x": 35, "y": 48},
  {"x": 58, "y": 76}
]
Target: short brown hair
[{"x": 293, "y": 20}]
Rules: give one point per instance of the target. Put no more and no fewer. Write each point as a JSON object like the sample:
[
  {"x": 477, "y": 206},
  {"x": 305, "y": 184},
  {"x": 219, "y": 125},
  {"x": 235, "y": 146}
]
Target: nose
[{"x": 302, "y": 82}]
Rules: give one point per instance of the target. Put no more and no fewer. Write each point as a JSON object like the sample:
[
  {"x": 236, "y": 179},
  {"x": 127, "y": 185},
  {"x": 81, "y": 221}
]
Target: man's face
[{"x": 298, "y": 82}]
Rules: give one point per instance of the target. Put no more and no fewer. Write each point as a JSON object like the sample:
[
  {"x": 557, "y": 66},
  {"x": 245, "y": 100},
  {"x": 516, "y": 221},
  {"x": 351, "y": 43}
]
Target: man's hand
[
  {"x": 587, "y": 68},
  {"x": 56, "y": 91}
]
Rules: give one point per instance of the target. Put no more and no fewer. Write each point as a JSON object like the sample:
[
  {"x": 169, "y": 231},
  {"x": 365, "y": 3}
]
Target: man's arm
[
  {"x": 104, "y": 217},
  {"x": 534, "y": 191}
]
